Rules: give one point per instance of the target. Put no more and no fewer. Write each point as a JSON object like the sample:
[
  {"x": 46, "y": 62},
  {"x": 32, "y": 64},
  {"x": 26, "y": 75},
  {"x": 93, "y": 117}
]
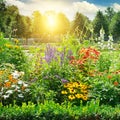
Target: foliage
[
  {"x": 11, "y": 52},
  {"x": 106, "y": 89},
  {"x": 115, "y": 26},
  {"x": 55, "y": 69},
  {"x": 53, "y": 111},
  {"x": 109, "y": 13},
  {"x": 99, "y": 22},
  {"x": 80, "y": 27},
  {"x": 36, "y": 23}
]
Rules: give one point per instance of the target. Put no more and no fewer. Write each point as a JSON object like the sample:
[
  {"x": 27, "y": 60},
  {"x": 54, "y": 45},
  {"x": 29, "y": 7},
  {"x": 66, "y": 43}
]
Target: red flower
[
  {"x": 72, "y": 57},
  {"x": 116, "y": 83}
]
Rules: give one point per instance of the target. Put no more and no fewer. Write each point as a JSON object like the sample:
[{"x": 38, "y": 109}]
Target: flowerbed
[{"x": 71, "y": 77}]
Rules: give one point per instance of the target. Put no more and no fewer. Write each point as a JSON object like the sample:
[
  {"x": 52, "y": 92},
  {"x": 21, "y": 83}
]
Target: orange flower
[
  {"x": 7, "y": 84},
  {"x": 10, "y": 77},
  {"x": 109, "y": 76},
  {"x": 116, "y": 83},
  {"x": 14, "y": 80}
]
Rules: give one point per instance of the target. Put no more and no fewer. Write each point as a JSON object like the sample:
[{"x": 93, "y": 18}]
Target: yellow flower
[
  {"x": 72, "y": 91},
  {"x": 8, "y": 45},
  {"x": 84, "y": 87},
  {"x": 64, "y": 92},
  {"x": 65, "y": 85},
  {"x": 84, "y": 91},
  {"x": 16, "y": 41},
  {"x": 1, "y": 72},
  {"x": 16, "y": 47},
  {"x": 78, "y": 96},
  {"x": 71, "y": 97},
  {"x": 84, "y": 97}
]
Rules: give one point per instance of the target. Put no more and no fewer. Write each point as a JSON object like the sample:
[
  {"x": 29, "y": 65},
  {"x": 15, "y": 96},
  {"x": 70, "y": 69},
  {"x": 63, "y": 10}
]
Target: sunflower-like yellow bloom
[{"x": 71, "y": 97}]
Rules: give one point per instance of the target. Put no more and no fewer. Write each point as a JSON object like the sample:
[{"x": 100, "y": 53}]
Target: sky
[{"x": 68, "y": 7}]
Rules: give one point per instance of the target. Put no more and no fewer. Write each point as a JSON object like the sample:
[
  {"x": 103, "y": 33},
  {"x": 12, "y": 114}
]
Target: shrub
[
  {"x": 53, "y": 111},
  {"x": 11, "y": 52}
]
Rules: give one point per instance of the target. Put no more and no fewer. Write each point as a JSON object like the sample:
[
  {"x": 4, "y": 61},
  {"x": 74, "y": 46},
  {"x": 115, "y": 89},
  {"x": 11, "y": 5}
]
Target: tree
[
  {"x": 36, "y": 24},
  {"x": 80, "y": 26},
  {"x": 63, "y": 24},
  {"x": 98, "y": 23},
  {"x": 10, "y": 21},
  {"x": 2, "y": 14},
  {"x": 109, "y": 14},
  {"x": 115, "y": 26},
  {"x": 23, "y": 27}
]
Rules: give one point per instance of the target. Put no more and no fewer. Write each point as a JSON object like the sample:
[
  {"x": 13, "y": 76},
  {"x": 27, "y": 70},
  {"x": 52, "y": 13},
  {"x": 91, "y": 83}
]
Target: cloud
[
  {"x": 68, "y": 7},
  {"x": 85, "y": 8},
  {"x": 17, "y": 3},
  {"x": 116, "y": 7}
]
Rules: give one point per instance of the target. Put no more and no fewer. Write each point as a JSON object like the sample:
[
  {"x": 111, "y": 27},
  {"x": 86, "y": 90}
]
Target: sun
[{"x": 51, "y": 21}]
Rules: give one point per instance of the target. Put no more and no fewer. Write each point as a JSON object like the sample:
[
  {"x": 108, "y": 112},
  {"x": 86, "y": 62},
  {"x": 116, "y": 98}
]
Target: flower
[
  {"x": 6, "y": 96},
  {"x": 16, "y": 46},
  {"x": 15, "y": 74},
  {"x": 7, "y": 84},
  {"x": 20, "y": 82},
  {"x": 1, "y": 72},
  {"x": 16, "y": 41},
  {"x": 79, "y": 96},
  {"x": 116, "y": 83},
  {"x": 71, "y": 57},
  {"x": 20, "y": 95},
  {"x": 85, "y": 98},
  {"x": 63, "y": 92},
  {"x": 64, "y": 80},
  {"x": 75, "y": 90},
  {"x": 71, "y": 97},
  {"x": 109, "y": 76},
  {"x": 8, "y": 45},
  {"x": 9, "y": 91}
]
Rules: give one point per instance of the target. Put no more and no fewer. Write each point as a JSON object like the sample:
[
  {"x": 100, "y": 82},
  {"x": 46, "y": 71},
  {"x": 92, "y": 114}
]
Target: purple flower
[
  {"x": 50, "y": 53},
  {"x": 64, "y": 80},
  {"x": 57, "y": 76}
]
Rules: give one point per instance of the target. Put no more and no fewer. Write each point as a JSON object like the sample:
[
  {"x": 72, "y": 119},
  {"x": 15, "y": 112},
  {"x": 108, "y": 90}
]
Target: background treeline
[{"x": 13, "y": 24}]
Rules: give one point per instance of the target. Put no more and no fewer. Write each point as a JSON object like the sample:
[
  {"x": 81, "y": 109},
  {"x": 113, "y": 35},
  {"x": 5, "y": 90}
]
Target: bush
[
  {"x": 11, "y": 52},
  {"x": 54, "y": 111}
]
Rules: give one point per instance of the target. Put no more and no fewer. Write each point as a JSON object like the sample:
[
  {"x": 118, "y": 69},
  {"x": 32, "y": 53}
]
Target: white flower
[
  {"x": 9, "y": 91},
  {"x": 22, "y": 73},
  {"x": 6, "y": 80},
  {"x": 20, "y": 82},
  {"x": 20, "y": 95},
  {"x": 17, "y": 87},
  {"x": 25, "y": 85},
  {"x": 27, "y": 90},
  {"x": 5, "y": 96},
  {"x": 16, "y": 74},
  {"x": 13, "y": 86}
]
